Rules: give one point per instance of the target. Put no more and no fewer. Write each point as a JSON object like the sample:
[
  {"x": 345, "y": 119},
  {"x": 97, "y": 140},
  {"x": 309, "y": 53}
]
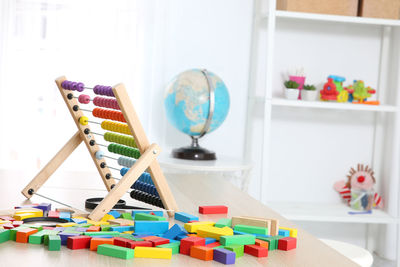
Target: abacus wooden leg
[
  {"x": 125, "y": 183},
  {"x": 52, "y": 165}
]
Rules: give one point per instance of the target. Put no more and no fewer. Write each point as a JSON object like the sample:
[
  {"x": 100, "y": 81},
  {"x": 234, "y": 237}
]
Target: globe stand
[{"x": 194, "y": 151}]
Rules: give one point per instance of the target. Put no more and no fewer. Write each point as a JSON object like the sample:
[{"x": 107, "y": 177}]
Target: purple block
[
  {"x": 174, "y": 231},
  {"x": 224, "y": 256},
  {"x": 60, "y": 229},
  {"x": 44, "y": 206},
  {"x": 81, "y": 229},
  {"x": 64, "y": 237}
]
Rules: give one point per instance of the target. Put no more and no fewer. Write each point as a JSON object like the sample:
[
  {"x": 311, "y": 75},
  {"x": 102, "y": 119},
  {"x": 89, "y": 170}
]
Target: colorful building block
[
  {"x": 121, "y": 228},
  {"x": 95, "y": 242},
  {"x": 121, "y": 242},
  {"x": 78, "y": 221},
  {"x": 262, "y": 243},
  {"x": 93, "y": 229},
  {"x": 148, "y": 217},
  {"x": 134, "y": 244},
  {"x": 4, "y": 235},
  {"x": 237, "y": 240},
  {"x": 64, "y": 237},
  {"x": 201, "y": 253},
  {"x": 22, "y": 216},
  {"x": 23, "y": 235},
  {"x": 154, "y": 212},
  {"x": 111, "y": 233},
  {"x": 65, "y": 215},
  {"x": 238, "y": 249},
  {"x": 274, "y": 230},
  {"x": 156, "y": 227},
  {"x": 223, "y": 223},
  {"x": 192, "y": 227},
  {"x": 174, "y": 246},
  {"x": 214, "y": 232},
  {"x": 69, "y": 224},
  {"x": 185, "y": 217},
  {"x": 256, "y": 251},
  {"x": 284, "y": 233},
  {"x": 78, "y": 242},
  {"x": 210, "y": 240},
  {"x": 115, "y": 251},
  {"x": 122, "y": 222},
  {"x": 38, "y": 238},
  {"x": 174, "y": 231},
  {"x": 224, "y": 256},
  {"x": 44, "y": 206},
  {"x": 159, "y": 241},
  {"x": 213, "y": 209},
  {"x": 272, "y": 240},
  {"x": 7, "y": 218},
  {"x": 115, "y": 214},
  {"x": 107, "y": 217},
  {"x": 213, "y": 245},
  {"x": 127, "y": 216},
  {"x": 188, "y": 242},
  {"x": 17, "y": 223},
  {"x": 155, "y": 253},
  {"x": 251, "y": 229},
  {"x": 53, "y": 214},
  {"x": 293, "y": 231},
  {"x": 54, "y": 242},
  {"x": 287, "y": 243}
]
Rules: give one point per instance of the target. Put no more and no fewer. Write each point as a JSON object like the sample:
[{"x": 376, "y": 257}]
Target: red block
[
  {"x": 159, "y": 241},
  {"x": 54, "y": 214},
  {"x": 213, "y": 245},
  {"x": 17, "y": 223},
  {"x": 256, "y": 251},
  {"x": 48, "y": 228},
  {"x": 93, "y": 228},
  {"x": 7, "y": 226},
  {"x": 188, "y": 242},
  {"x": 7, "y": 218},
  {"x": 134, "y": 244},
  {"x": 192, "y": 221},
  {"x": 213, "y": 209},
  {"x": 78, "y": 242},
  {"x": 287, "y": 243},
  {"x": 121, "y": 242}
]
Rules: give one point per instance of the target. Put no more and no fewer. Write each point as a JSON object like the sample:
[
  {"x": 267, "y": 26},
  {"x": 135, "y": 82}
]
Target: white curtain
[{"x": 96, "y": 42}]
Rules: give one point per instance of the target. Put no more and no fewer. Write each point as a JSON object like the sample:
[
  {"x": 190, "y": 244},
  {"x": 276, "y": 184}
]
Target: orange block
[
  {"x": 192, "y": 235},
  {"x": 93, "y": 229},
  {"x": 148, "y": 238},
  {"x": 262, "y": 243},
  {"x": 95, "y": 242},
  {"x": 202, "y": 253},
  {"x": 23, "y": 234}
]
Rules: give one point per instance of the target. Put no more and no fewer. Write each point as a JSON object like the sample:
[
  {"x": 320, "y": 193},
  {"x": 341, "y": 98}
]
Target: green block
[
  {"x": 228, "y": 240},
  {"x": 106, "y": 227},
  {"x": 115, "y": 251},
  {"x": 4, "y": 235},
  {"x": 148, "y": 217},
  {"x": 251, "y": 229},
  {"x": 238, "y": 249},
  {"x": 72, "y": 232},
  {"x": 111, "y": 233},
  {"x": 218, "y": 247},
  {"x": 223, "y": 223},
  {"x": 272, "y": 241},
  {"x": 85, "y": 225},
  {"x": 38, "y": 227},
  {"x": 54, "y": 242},
  {"x": 130, "y": 237},
  {"x": 174, "y": 246},
  {"x": 127, "y": 216},
  {"x": 13, "y": 232},
  {"x": 38, "y": 237}
]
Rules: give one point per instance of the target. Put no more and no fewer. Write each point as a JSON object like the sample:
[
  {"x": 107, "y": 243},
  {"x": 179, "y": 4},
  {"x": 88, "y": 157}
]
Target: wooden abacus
[{"x": 133, "y": 143}]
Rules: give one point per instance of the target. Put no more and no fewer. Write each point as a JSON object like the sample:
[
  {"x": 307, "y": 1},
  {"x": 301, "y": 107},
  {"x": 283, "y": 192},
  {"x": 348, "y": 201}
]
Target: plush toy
[{"x": 362, "y": 180}]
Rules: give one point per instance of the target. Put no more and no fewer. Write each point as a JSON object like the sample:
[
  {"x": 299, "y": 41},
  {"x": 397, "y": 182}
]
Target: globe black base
[{"x": 193, "y": 153}]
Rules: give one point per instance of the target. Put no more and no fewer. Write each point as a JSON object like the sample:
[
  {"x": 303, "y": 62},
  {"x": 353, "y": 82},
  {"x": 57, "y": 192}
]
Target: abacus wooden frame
[{"x": 147, "y": 159}]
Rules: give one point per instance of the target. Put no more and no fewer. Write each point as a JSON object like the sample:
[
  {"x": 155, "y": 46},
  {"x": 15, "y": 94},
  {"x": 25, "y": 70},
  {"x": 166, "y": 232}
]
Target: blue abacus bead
[
  {"x": 123, "y": 171},
  {"x": 99, "y": 154},
  {"x": 80, "y": 87}
]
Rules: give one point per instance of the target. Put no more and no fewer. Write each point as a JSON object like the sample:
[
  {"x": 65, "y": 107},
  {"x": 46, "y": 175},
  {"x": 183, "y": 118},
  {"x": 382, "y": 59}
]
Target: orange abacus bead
[{"x": 108, "y": 114}]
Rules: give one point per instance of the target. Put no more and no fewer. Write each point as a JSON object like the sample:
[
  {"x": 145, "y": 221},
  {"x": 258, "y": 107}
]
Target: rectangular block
[
  {"x": 201, "y": 253},
  {"x": 213, "y": 245},
  {"x": 115, "y": 214},
  {"x": 224, "y": 222},
  {"x": 78, "y": 221},
  {"x": 122, "y": 222},
  {"x": 156, "y": 227},
  {"x": 23, "y": 235},
  {"x": 53, "y": 214},
  {"x": 174, "y": 246},
  {"x": 65, "y": 215},
  {"x": 37, "y": 238},
  {"x": 251, "y": 221},
  {"x": 23, "y": 216},
  {"x": 122, "y": 228},
  {"x": 272, "y": 240},
  {"x": 238, "y": 249},
  {"x": 115, "y": 251},
  {"x": 148, "y": 217},
  {"x": 4, "y": 235},
  {"x": 185, "y": 217},
  {"x": 111, "y": 233},
  {"x": 95, "y": 242},
  {"x": 274, "y": 230},
  {"x": 159, "y": 241},
  {"x": 188, "y": 242},
  {"x": 121, "y": 242},
  {"x": 78, "y": 242},
  {"x": 213, "y": 209},
  {"x": 224, "y": 256},
  {"x": 17, "y": 223},
  {"x": 93, "y": 229},
  {"x": 44, "y": 206},
  {"x": 293, "y": 231},
  {"x": 155, "y": 253},
  {"x": 251, "y": 229},
  {"x": 174, "y": 231},
  {"x": 192, "y": 227},
  {"x": 214, "y": 232},
  {"x": 237, "y": 240},
  {"x": 287, "y": 243},
  {"x": 54, "y": 242},
  {"x": 210, "y": 240},
  {"x": 69, "y": 224},
  {"x": 64, "y": 237},
  {"x": 134, "y": 244},
  {"x": 127, "y": 216},
  {"x": 256, "y": 251},
  {"x": 154, "y": 212},
  {"x": 284, "y": 233},
  {"x": 262, "y": 243}
]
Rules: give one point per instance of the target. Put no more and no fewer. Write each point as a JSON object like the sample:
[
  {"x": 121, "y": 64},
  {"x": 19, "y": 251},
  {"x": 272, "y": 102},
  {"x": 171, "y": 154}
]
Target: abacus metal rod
[
  {"x": 113, "y": 168},
  {"x": 95, "y": 122},
  {"x": 102, "y": 145},
  {"x": 59, "y": 202},
  {"x": 97, "y": 133},
  {"x": 110, "y": 157},
  {"x": 88, "y": 110}
]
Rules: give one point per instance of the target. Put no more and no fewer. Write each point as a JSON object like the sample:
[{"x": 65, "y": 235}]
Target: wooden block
[
  {"x": 38, "y": 212},
  {"x": 201, "y": 253},
  {"x": 134, "y": 244},
  {"x": 210, "y": 240},
  {"x": 238, "y": 249},
  {"x": 174, "y": 246},
  {"x": 155, "y": 253},
  {"x": 284, "y": 233},
  {"x": 214, "y": 232},
  {"x": 251, "y": 229},
  {"x": 7, "y": 218},
  {"x": 22, "y": 216},
  {"x": 192, "y": 227},
  {"x": 121, "y": 242},
  {"x": 188, "y": 242},
  {"x": 293, "y": 231},
  {"x": 150, "y": 237},
  {"x": 213, "y": 245},
  {"x": 23, "y": 234},
  {"x": 185, "y": 217},
  {"x": 122, "y": 228},
  {"x": 262, "y": 243},
  {"x": 7, "y": 226},
  {"x": 17, "y": 223},
  {"x": 64, "y": 237},
  {"x": 238, "y": 240},
  {"x": 213, "y": 209},
  {"x": 148, "y": 217},
  {"x": 95, "y": 242},
  {"x": 115, "y": 251},
  {"x": 37, "y": 238},
  {"x": 174, "y": 231},
  {"x": 4, "y": 235},
  {"x": 53, "y": 214},
  {"x": 114, "y": 213},
  {"x": 153, "y": 212},
  {"x": 54, "y": 242},
  {"x": 159, "y": 241},
  {"x": 111, "y": 233},
  {"x": 287, "y": 243},
  {"x": 224, "y": 222},
  {"x": 93, "y": 229},
  {"x": 224, "y": 256},
  {"x": 78, "y": 242},
  {"x": 69, "y": 224},
  {"x": 251, "y": 221},
  {"x": 126, "y": 216},
  {"x": 272, "y": 240},
  {"x": 156, "y": 227},
  {"x": 274, "y": 230},
  {"x": 107, "y": 217},
  {"x": 122, "y": 222},
  {"x": 256, "y": 251}
]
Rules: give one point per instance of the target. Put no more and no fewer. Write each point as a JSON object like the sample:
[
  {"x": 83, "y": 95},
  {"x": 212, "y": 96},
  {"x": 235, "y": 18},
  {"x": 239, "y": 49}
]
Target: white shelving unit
[{"x": 267, "y": 104}]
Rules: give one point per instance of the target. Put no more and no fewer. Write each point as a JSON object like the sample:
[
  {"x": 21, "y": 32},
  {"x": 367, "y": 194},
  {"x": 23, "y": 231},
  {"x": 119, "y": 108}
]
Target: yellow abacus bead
[{"x": 83, "y": 120}]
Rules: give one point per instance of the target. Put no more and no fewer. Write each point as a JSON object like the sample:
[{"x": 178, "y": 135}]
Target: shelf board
[
  {"x": 321, "y": 212},
  {"x": 336, "y": 18},
  {"x": 331, "y": 105}
]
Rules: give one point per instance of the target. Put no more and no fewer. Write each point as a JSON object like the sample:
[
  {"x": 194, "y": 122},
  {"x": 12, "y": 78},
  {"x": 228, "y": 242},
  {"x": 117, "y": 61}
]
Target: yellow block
[
  {"x": 292, "y": 231},
  {"x": 97, "y": 223},
  {"x": 68, "y": 224},
  {"x": 80, "y": 218},
  {"x": 37, "y": 212},
  {"x": 128, "y": 232},
  {"x": 22, "y": 216},
  {"x": 155, "y": 253},
  {"x": 214, "y": 232},
  {"x": 192, "y": 227},
  {"x": 107, "y": 217},
  {"x": 4, "y": 222}
]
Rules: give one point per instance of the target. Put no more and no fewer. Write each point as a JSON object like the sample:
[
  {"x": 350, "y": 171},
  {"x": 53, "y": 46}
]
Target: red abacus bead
[{"x": 84, "y": 99}]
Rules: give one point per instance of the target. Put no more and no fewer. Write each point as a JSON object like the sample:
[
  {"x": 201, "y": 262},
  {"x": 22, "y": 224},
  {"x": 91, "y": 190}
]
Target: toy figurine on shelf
[
  {"x": 358, "y": 191},
  {"x": 360, "y": 93},
  {"x": 333, "y": 89}
]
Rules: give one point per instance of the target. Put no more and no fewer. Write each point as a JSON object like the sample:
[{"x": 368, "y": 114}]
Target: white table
[{"x": 234, "y": 169}]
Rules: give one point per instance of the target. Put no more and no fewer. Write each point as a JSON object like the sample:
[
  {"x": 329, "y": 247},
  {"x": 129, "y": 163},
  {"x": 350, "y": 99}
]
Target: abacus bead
[
  {"x": 74, "y": 86},
  {"x": 80, "y": 87},
  {"x": 99, "y": 154},
  {"x": 64, "y": 84},
  {"x": 84, "y": 120},
  {"x": 84, "y": 99}
]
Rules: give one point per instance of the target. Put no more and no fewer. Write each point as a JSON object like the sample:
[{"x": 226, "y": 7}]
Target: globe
[{"x": 189, "y": 109}]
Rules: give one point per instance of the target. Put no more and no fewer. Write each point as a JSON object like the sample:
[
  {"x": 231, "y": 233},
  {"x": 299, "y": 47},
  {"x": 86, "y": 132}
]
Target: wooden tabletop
[{"x": 190, "y": 191}]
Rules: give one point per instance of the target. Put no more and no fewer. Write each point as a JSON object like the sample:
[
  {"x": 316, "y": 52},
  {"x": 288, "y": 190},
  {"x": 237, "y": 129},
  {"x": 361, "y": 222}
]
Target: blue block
[
  {"x": 241, "y": 233},
  {"x": 122, "y": 228},
  {"x": 44, "y": 206},
  {"x": 174, "y": 231},
  {"x": 65, "y": 216},
  {"x": 284, "y": 233},
  {"x": 79, "y": 221},
  {"x": 185, "y": 217},
  {"x": 210, "y": 240},
  {"x": 180, "y": 237},
  {"x": 139, "y": 235},
  {"x": 155, "y": 227},
  {"x": 64, "y": 237},
  {"x": 115, "y": 214},
  {"x": 156, "y": 212}
]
